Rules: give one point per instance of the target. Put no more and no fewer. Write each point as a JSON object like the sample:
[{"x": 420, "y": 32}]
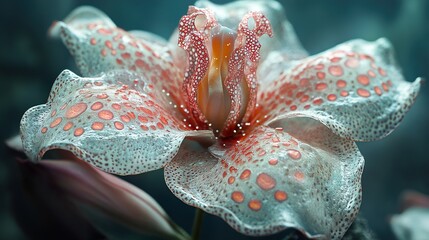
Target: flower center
[{"x": 220, "y": 81}]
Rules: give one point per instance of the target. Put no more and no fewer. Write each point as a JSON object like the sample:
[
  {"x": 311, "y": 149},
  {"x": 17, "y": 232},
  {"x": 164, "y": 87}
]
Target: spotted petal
[
  {"x": 355, "y": 89},
  {"x": 112, "y": 121},
  {"x": 99, "y": 46},
  {"x": 304, "y": 177},
  {"x": 284, "y": 41}
]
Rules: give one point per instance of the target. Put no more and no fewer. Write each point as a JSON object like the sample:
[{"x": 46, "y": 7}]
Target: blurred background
[{"x": 30, "y": 62}]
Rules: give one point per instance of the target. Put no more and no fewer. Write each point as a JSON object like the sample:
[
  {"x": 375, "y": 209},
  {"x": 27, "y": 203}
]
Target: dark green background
[{"x": 30, "y": 61}]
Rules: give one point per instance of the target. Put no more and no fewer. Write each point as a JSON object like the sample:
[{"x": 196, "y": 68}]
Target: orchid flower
[{"x": 247, "y": 126}]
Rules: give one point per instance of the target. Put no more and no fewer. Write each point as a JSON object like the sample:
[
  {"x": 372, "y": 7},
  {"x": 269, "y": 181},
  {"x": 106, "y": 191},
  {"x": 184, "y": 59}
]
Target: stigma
[{"x": 220, "y": 84}]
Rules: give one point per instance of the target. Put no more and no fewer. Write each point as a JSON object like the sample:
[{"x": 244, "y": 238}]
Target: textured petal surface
[
  {"x": 111, "y": 121},
  {"x": 304, "y": 177},
  {"x": 355, "y": 89},
  {"x": 284, "y": 40},
  {"x": 99, "y": 46}
]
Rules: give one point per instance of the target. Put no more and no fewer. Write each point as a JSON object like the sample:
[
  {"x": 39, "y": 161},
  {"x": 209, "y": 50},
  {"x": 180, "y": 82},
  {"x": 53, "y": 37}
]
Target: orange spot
[
  {"x": 245, "y": 174},
  {"x": 116, "y": 106},
  {"x": 108, "y": 44},
  {"x": 299, "y": 175},
  {"x": 320, "y": 75},
  {"x": 273, "y": 161},
  {"x": 125, "y": 55},
  {"x": 141, "y": 64},
  {"x": 76, "y": 110},
  {"x": 237, "y": 196},
  {"x": 344, "y": 93},
  {"x": 378, "y": 91},
  {"x": 231, "y": 180},
  {"x": 144, "y": 127},
  {"x": 103, "y": 52},
  {"x": 335, "y": 59},
  {"x": 97, "y": 126},
  {"x": 332, "y": 97},
  {"x": 93, "y": 41},
  {"x": 294, "y": 154},
  {"x": 321, "y": 86},
  {"x": 262, "y": 153},
  {"x": 125, "y": 118},
  {"x": 363, "y": 79},
  {"x": 317, "y": 101},
  {"x": 352, "y": 63},
  {"x": 102, "y": 96},
  {"x": 55, "y": 122},
  {"x": 304, "y": 82},
  {"x": 363, "y": 92},
  {"x": 68, "y": 126},
  {"x": 78, "y": 132},
  {"x": 381, "y": 71},
  {"x": 371, "y": 74},
  {"x": 97, "y": 106},
  {"x": 280, "y": 196},
  {"x": 255, "y": 205},
  {"x": 336, "y": 70},
  {"x": 143, "y": 119},
  {"x": 265, "y": 181},
  {"x": 341, "y": 83},
  {"x": 44, "y": 130},
  {"x": 163, "y": 120},
  {"x": 385, "y": 87},
  {"x": 105, "y": 114},
  {"x": 53, "y": 113},
  {"x": 293, "y": 107},
  {"x": 119, "y": 125},
  {"x": 159, "y": 125}
]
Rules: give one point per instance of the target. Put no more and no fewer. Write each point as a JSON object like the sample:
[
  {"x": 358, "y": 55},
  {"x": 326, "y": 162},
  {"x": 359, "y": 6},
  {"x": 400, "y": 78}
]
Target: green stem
[{"x": 196, "y": 228}]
